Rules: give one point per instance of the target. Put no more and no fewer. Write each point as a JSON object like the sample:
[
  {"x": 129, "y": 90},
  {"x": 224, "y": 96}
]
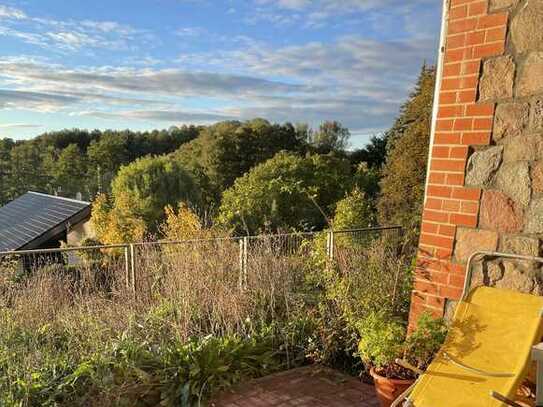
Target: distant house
[{"x": 41, "y": 221}]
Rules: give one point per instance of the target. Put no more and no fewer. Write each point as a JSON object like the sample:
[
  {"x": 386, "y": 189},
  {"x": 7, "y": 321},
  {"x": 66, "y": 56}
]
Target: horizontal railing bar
[
  {"x": 63, "y": 249},
  {"x": 174, "y": 242}
]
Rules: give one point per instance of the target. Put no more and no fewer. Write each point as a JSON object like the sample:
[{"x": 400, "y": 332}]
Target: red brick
[
  {"x": 439, "y": 278},
  {"x": 439, "y": 191},
  {"x": 471, "y": 67},
  {"x": 438, "y": 178},
  {"x": 436, "y": 241},
  {"x": 458, "y": 12},
  {"x": 447, "y": 98},
  {"x": 475, "y": 38},
  {"x": 440, "y": 152},
  {"x": 496, "y": 34},
  {"x": 459, "y": 152},
  {"x": 463, "y": 124},
  {"x": 451, "y": 205},
  {"x": 456, "y": 280},
  {"x": 447, "y": 165},
  {"x": 457, "y": 268},
  {"x": 463, "y": 220},
  {"x": 455, "y": 179},
  {"x": 489, "y": 50},
  {"x": 453, "y": 69},
  {"x": 468, "y": 194},
  {"x": 492, "y": 20},
  {"x": 451, "y": 84},
  {"x": 456, "y": 41},
  {"x": 455, "y": 3},
  {"x": 454, "y": 293},
  {"x": 424, "y": 286},
  {"x": 434, "y": 301},
  {"x": 470, "y": 82},
  {"x": 463, "y": 25},
  {"x": 454, "y": 55},
  {"x": 469, "y": 207},
  {"x": 467, "y": 96},
  {"x": 476, "y": 138},
  {"x": 450, "y": 111},
  {"x": 433, "y": 203},
  {"x": 483, "y": 124},
  {"x": 427, "y": 227},
  {"x": 444, "y": 125},
  {"x": 477, "y": 9},
  {"x": 434, "y": 216},
  {"x": 480, "y": 109},
  {"x": 447, "y": 230},
  {"x": 443, "y": 254},
  {"x": 448, "y": 138}
]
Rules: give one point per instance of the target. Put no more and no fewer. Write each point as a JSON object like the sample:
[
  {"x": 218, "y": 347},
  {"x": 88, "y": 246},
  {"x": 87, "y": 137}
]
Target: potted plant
[{"x": 383, "y": 340}]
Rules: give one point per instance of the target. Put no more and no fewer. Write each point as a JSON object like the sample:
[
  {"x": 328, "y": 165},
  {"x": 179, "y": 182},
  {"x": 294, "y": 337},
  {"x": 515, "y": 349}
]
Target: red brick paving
[{"x": 312, "y": 386}]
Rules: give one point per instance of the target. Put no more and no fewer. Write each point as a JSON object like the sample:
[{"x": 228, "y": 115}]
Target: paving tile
[{"x": 312, "y": 386}]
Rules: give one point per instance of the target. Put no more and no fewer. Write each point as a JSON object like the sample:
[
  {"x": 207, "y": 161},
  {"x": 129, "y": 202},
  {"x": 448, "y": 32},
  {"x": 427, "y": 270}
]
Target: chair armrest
[
  {"x": 406, "y": 365},
  {"x": 537, "y": 352}
]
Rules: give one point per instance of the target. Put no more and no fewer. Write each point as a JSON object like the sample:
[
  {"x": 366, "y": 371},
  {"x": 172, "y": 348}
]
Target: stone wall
[{"x": 485, "y": 186}]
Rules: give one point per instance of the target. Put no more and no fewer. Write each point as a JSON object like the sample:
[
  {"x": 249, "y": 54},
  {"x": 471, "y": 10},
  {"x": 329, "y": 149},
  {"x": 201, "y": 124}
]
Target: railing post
[
  {"x": 330, "y": 244},
  {"x": 245, "y": 260},
  {"x": 133, "y": 269},
  {"x": 241, "y": 262},
  {"x": 127, "y": 266}
]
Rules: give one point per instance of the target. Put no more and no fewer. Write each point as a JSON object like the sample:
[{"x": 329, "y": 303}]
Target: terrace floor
[{"x": 312, "y": 386}]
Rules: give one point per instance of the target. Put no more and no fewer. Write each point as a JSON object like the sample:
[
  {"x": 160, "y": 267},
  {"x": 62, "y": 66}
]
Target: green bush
[{"x": 383, "y": 339}]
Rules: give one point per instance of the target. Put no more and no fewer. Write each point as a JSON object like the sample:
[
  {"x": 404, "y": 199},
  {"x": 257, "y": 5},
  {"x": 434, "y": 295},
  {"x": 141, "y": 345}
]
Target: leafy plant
[
  {"x": 383, "y": 339},
  {"x": 424, "y": 342}
]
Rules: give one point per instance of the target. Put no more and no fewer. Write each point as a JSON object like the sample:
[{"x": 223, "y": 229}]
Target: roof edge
[{"x": 59, "y": 197}]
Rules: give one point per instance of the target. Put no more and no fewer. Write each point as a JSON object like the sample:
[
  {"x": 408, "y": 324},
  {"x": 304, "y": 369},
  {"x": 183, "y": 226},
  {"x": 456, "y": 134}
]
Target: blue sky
[{"x": 144, "y": 64}]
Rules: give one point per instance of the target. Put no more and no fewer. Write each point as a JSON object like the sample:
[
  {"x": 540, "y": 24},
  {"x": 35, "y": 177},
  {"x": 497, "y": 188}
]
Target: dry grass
[{"x": 73, "y": 314}]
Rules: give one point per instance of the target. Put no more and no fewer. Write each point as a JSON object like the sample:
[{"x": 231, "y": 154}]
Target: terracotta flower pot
[{"x": 388, "y": 389}]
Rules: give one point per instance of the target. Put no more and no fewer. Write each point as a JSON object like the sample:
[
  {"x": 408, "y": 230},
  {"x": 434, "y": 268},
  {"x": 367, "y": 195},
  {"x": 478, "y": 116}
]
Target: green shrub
[
  {"x": 424, "y": 342},
  {"x": 381, "y": 340}
]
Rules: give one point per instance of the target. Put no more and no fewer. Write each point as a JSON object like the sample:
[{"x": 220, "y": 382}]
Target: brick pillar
[{"x": 476, "y": 33}]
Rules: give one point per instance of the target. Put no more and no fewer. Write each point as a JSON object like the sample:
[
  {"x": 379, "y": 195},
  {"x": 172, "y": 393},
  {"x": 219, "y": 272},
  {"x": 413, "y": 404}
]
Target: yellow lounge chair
[{"x": 487, "y": 351}]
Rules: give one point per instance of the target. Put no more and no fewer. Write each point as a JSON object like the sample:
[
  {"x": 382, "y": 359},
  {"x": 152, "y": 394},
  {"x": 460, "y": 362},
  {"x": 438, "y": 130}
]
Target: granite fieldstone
[
  {"x": 482, "y": 165},
  {"x": 526, "y": 32},
  {"x": 497, "y": 79},
  {"x": 511, "y": 120},
  {"x": 514, "y": 180}
]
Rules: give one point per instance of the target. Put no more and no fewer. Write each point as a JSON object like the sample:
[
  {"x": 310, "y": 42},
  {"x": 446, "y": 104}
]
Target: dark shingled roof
[{"x": 34, "y": 218}]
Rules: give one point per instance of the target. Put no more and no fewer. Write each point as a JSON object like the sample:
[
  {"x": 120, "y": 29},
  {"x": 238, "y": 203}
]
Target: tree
[
  {"x": 116, "y": 223},
  {"x": 5, "y": 175},
  {"x": 26, "y": 170},
  {"x": 227, "y": 150},
  {"x": 402, "y": 186},
  {"x": 149, "y": 184},
  {"x": 106, "y": 155},
  {"x": 68, "y": 172},
  {"x": 331, "y": 136},
  {"x": 354, "y": 211},
  {"x": 286, "y": 192},
  {"x": 373, "y": 154}
]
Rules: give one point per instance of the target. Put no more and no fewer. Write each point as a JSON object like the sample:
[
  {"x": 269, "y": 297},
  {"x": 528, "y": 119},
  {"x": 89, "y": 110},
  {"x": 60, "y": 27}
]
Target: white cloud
[
  {"x": 70, "y": 35},
  {"x": 11, "y": 13},
  {"x": 20, "y": 126}
]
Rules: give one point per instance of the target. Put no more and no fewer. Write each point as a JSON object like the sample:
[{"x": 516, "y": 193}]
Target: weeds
[{"x": 70, "y": 338}]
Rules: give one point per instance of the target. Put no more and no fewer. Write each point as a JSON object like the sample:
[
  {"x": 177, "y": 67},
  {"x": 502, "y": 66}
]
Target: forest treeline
[{"x": 243, "y": 177}]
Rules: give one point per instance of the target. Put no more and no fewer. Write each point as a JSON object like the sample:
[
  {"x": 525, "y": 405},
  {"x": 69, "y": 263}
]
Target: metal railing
[{"x": 247, "y": 252}]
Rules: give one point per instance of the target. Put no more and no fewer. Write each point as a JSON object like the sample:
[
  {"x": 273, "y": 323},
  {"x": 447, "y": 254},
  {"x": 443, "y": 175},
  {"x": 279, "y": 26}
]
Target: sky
[{"x": 145, "y": 64}]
